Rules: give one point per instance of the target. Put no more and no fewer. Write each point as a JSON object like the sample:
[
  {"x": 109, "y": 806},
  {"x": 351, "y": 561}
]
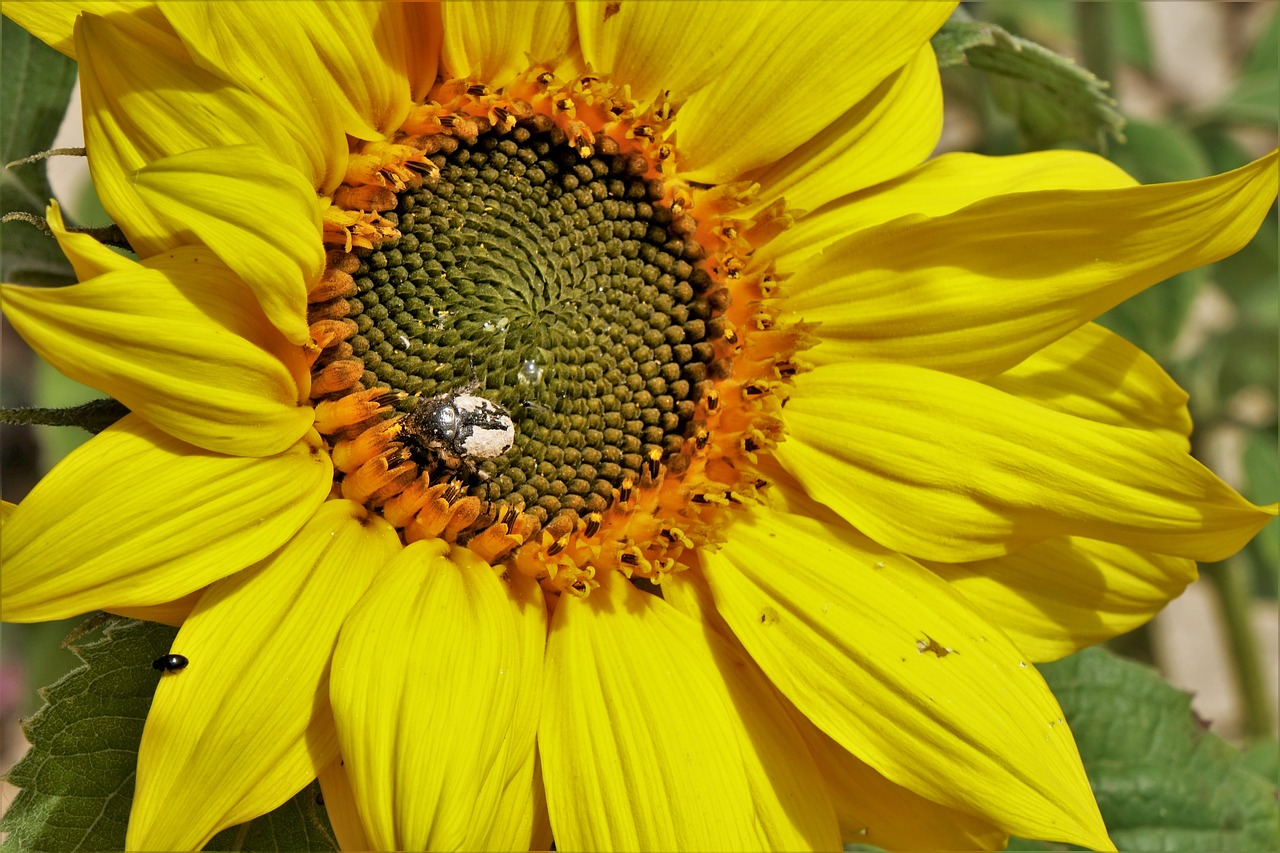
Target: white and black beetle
[{"x": 460, "y": 428}]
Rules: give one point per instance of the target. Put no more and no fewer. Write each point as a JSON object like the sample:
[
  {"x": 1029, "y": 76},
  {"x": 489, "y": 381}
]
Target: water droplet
[{"x": 530, "y": 372}]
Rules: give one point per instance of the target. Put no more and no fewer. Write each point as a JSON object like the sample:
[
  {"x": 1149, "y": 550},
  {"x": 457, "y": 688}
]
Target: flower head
[{"x": 547, "y": 420}]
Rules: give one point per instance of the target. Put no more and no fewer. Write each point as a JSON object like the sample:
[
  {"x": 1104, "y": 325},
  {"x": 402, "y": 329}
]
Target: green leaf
[
  {"x": 77, "y": 779},
  {"x": 35, "y": 87},
  {"x": 1162, "y": 781},
  {"x": 1263, "y": 758},
  {"x": 1052, "y": 99}
]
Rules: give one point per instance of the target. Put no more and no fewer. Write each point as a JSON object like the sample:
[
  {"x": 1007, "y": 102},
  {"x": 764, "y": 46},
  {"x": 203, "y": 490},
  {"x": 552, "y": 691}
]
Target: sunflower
[{"x": 597, "y": 421}]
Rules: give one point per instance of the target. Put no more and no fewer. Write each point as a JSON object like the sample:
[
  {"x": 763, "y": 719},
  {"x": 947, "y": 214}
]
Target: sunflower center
[
  {"x": 561, "y": 287},
  {"x": 525, "y": 341}
]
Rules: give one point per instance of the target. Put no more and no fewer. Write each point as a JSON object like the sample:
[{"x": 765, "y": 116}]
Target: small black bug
[{"x": 170, "y": 663}]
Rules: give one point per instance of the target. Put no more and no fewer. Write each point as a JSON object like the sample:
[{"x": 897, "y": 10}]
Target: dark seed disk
[{"x": 567, "y": 290}]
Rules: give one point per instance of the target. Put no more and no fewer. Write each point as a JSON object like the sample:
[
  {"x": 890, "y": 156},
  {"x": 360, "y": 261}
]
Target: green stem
[
  {"x": 1094, "y": 29},
  {"x": 1233, "y": 583}
]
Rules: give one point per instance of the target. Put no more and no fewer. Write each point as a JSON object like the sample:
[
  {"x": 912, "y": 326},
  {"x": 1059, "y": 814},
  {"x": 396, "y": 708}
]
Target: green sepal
[
  {"x": 959, "y": 34},
  {"x": 1052, "y": 99},
  {"x": 93, "y": 416}
]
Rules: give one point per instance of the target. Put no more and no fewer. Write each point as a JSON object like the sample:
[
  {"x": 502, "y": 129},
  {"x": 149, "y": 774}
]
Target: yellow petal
[
  {"x": 167, "y": 613},
  {"x": 666, "y": 47},
  {"x": 181, "y": 342},
  {"x": 977, "y": 291},
  {"x": 944, "y": 185},
  {"x": 1096, "y": 374},
  {"x": 340, "y": 805},
  {"x": 435, "y": 690},
  {"x": 218, "y": 196},
  {"x": 887, "y": 133},
  {"x": 898, "y": 669},
  {"x": 1062, "y": 595},
  {"x": 542, "y": 838},
  {"x": 54, "y": 22},
  {"x": 338, "y": 63},
  {"x": 872, "y": 810},
  {"x": 951, "y": 470},
  {"x": 158, "y": 104},
  {"x": 520, "y": 816},
  {"x": 817, "y": 61},
  {"x": 369, "y": 50},
  {"x": 246, "y": 725},
  {"x": 88, "y": 257},
  {"x": 422, "y": 23},
  {"x": 656, "y": 736},
  {"x": 136, "y": 517},
  {"x": 264, "y": 49},
  {"x": 495, "y": 41}
]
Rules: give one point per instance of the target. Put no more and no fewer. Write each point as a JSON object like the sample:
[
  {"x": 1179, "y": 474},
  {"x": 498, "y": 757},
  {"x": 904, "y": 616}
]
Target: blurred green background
[{"x": 1199, "y": 84}]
